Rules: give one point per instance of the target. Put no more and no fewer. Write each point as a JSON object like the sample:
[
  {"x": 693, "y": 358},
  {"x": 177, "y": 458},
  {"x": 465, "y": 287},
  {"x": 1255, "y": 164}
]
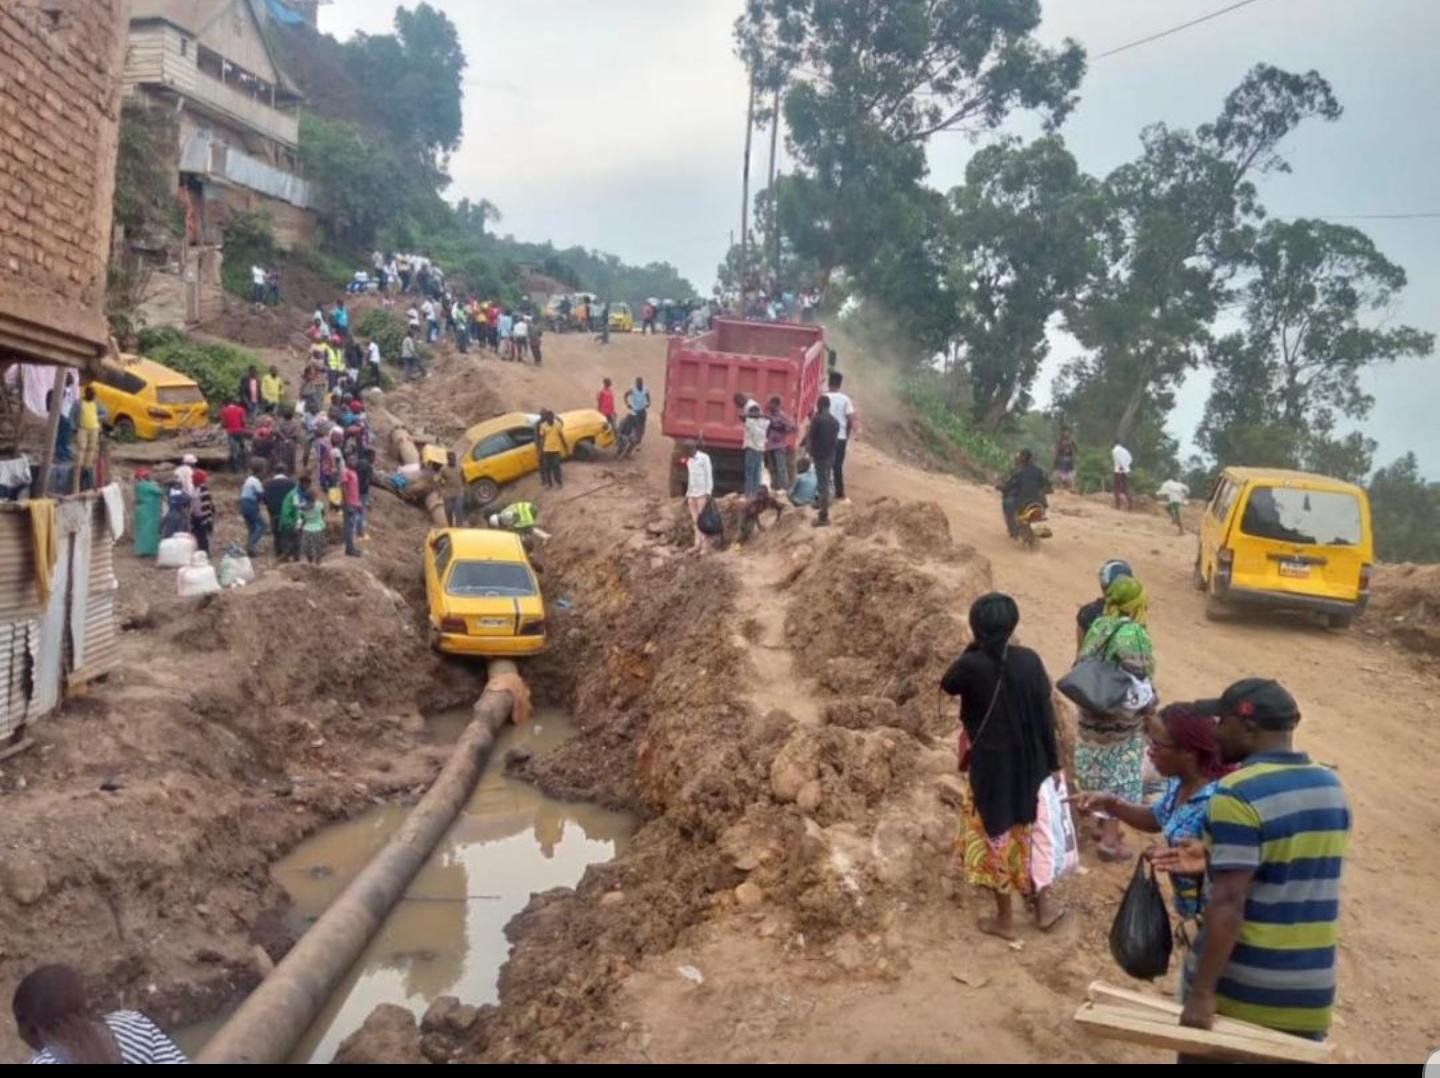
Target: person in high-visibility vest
[
  {"x": 87, "y": 418},
  {"x": 519, "y": 517},
  {"x": 334, "y": 364}
]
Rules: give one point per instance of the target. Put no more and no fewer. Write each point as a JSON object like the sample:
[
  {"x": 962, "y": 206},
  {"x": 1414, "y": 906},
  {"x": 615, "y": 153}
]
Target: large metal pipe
[{"x": 276, "y": 1015}]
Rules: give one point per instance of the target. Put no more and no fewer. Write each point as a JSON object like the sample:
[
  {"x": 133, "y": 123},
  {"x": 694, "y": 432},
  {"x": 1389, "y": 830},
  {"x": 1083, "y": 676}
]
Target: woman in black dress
[{"x": 1008, "y": 746}]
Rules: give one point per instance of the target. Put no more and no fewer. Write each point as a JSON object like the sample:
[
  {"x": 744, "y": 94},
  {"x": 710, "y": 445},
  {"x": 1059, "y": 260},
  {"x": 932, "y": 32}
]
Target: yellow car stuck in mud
[
  {"x": 503, "y": 449},
  {"x": 483, "y": 594}
]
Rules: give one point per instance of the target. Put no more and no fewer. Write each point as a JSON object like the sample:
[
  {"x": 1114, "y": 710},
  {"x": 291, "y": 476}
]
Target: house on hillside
[{"x": 237, "y": 118}]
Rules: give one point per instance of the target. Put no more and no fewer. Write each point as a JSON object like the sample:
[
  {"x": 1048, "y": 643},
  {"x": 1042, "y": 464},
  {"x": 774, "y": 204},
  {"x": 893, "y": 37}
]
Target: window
[
  {"x": 492, "y": 446},
  {"x": 124, "y": 381},
  {"x": 1225, "y": 498},
  {"x": 502, "y": 579},
  {"x": 1296, "y": 515},
  {"x": 523, "y": 436},
  {"x": 179, "y": 395},
  {"x": 442, "y": 556}
]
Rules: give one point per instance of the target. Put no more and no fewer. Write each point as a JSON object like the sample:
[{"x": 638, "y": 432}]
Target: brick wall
[{"x": 60, "y": 68}]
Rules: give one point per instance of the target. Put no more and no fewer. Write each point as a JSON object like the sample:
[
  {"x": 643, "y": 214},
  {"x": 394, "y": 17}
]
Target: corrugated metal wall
[{"x": 38, "y": 645}]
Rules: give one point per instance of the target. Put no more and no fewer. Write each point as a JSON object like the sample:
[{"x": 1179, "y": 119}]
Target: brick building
[{"x": 60, "y": 64}]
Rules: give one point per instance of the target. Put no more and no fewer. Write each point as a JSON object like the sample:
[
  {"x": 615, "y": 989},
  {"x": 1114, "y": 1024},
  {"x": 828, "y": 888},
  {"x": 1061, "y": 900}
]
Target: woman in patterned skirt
[{"x": 1008, "y": 747}]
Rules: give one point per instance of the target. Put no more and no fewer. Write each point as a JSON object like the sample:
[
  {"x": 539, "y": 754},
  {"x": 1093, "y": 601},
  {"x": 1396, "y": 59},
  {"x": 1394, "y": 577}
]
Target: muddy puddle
[{"x": 446, "y": 937}]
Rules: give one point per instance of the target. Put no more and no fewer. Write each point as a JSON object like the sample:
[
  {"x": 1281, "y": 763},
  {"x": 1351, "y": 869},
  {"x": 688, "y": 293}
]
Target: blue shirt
[
  {"x": 1177, "y": 822},
  {"x": 342, "y": 318},
  {"x": 807, "y": 486},
  {"x": 638, "y": 400}
]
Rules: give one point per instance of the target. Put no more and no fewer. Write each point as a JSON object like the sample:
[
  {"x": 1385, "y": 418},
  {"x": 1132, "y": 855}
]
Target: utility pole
[
  {"x": 773, "y": 233},
  {"x": 745, "y": 194}
]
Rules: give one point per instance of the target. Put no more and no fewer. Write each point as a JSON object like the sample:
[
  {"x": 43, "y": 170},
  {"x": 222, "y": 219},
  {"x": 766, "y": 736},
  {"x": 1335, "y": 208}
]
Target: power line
[
  {"x": 1173, "y": 30},
  {"x": 1423, "y": 216}
]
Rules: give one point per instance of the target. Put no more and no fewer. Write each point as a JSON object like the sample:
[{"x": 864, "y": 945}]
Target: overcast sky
[{"x": 619, "y": 124}]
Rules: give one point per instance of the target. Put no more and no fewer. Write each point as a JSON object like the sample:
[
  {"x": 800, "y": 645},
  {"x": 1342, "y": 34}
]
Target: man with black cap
[{"x": 1276, "y": 839}]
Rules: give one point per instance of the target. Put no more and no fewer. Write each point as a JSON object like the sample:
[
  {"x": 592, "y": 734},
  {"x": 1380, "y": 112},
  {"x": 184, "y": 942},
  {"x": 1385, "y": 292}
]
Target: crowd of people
[
  {"x": 1251, "y": 831},
  {"x": 817, "y": 479}
]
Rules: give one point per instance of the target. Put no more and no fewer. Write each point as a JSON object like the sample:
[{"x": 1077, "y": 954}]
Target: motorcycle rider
[{"x": 1026, "y": 486}]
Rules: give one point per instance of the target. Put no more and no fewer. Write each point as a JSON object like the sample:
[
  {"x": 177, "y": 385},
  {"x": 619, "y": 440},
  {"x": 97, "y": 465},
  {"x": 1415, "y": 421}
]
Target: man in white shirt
[
  {"x": 701, "y": 485},
  {"x": 1123, "y": 463},
  {"x": 431, "y": 321},
  {"x": 257, "y": 283},
  {"x": 756, "y": 429},
  {"x": 372, "y": 365},
  {"x": 843, "y": 409},
  {"x": 1176, "y": 494}
]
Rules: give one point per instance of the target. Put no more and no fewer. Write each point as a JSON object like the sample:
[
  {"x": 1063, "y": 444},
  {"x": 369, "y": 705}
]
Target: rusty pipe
[{"x": 276, "y": 1015}]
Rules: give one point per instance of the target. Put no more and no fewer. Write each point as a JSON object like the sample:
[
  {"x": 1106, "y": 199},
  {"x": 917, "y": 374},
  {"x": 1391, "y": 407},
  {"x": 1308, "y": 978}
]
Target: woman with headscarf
[
  {"x": 149, "y": 505},
  {"x": 55, "y": 1018},
  {"x": 1008, "y": 746},
  {"x": 1109, "y": 757},
  {"x": 1186, "y": 753}
]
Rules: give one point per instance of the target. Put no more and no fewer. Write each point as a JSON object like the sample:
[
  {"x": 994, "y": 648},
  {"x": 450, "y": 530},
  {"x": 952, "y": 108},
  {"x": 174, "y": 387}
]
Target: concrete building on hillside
[{"x": 237, "y": 114}]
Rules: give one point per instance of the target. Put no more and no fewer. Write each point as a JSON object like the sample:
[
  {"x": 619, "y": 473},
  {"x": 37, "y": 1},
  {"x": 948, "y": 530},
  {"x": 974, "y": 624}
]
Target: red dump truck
[{"x": 703, "y": 374}]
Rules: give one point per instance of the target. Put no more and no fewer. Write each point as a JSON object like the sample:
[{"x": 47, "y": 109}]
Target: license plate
[
  {"x": 1294, "y": 568},
  {"x": 494, "y": 623}
]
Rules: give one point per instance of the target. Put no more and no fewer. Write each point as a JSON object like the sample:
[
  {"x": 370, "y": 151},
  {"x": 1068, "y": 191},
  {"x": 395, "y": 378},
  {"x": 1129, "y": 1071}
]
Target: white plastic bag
[
  {"x": 197, "y": 578},
  {"x": 176, "y": 551},
  {"x": 1055, "y": 847}
]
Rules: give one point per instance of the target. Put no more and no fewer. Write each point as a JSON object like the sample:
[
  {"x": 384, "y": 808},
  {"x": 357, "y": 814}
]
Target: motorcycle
[{"x": 1032, "y": 526}]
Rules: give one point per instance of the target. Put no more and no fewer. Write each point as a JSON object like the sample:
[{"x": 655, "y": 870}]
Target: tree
[
  {"x": 1314, "y": 281},
  {"x": 413, "y": 80},
  {"x": 1406, "y": 512},
  {"x": 866, "y": 83},
  {"x": 475, "y": 215},
  {"x": 1179, "y": 227},
  {"x": 1282, "y": 385},
  {"x": 1023, "y": 238}
]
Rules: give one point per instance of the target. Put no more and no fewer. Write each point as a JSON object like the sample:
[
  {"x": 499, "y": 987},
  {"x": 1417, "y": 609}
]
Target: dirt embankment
[
  {"x": 832, "y": 821},
  {"x": 1405, "y": 607},
  {"x": 141, "y": 827}
]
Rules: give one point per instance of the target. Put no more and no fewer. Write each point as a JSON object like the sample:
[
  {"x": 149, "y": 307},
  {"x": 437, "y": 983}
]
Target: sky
[{"x": 619, "y": 125}]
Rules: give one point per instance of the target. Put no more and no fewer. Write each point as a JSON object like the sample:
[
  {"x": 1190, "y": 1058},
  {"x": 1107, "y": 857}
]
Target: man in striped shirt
[{"x": 1277, "y": 833}]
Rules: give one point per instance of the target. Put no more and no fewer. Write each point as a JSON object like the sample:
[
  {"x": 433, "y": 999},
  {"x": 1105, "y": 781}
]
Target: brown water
[{"x": 445, "y": 937}]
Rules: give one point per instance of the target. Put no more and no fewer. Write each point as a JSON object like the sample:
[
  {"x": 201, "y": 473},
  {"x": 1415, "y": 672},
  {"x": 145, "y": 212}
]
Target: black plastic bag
[
  {"x": 1140, "y": 938},
  {"x": 710, "y": 522}
]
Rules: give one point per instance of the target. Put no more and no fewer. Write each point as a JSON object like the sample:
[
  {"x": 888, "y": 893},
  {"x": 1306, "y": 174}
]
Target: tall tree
[
  {"x": 1023, "y": 238},
  {"x": 1285, "y": 382},
  {"x": 1179, "y": 227},
  {"x": 867, "y": 82}
]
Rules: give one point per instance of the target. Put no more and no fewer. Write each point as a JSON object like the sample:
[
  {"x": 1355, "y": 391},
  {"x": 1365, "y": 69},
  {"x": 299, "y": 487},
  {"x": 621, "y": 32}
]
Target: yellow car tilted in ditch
[
  {"x": 503, "y": 449},
  {"x": 483, "y": 594},
  {"x": 144, "y": 399}
]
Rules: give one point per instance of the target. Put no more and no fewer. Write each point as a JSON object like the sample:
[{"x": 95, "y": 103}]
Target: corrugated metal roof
[{"x": 18, "y": 598}]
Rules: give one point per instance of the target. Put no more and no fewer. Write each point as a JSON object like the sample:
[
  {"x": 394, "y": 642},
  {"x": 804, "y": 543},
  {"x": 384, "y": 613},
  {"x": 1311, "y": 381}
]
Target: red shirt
[
  {"x": 350, "y": 484},
  {"x": 232, "y": 418},
  {"x": 605, "y": 401}
]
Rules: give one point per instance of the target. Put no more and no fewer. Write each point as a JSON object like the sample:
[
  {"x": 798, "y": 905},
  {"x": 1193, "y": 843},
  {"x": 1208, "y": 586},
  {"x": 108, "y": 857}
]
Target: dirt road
[{"x": 1368, "y": 710}]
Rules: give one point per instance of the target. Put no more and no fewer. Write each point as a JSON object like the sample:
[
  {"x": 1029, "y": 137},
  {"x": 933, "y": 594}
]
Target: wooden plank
[
  {"x": 1108, "y": 995},
  {"x": 1153, "y": 1030}
]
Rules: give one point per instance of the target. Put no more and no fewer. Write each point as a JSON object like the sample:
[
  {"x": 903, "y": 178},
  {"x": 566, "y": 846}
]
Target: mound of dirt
[
  {"x": 883, "y": 609},
  {"x": 834, "y": 824},
  {"x": 1405, "y": 606}
]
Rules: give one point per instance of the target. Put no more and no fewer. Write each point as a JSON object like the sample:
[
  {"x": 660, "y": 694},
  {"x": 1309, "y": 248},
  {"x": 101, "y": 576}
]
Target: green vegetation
[
  {"x": 147, "y": 214},
  {"x": 249, "y": 241},
  {"x": 217, "y": 368},
  {"x": 1406, "y": 513},
  {"x": 949, "y": 430},
  {"x": 375, "y": 148},
  {"x": 1137, "y": 266}
]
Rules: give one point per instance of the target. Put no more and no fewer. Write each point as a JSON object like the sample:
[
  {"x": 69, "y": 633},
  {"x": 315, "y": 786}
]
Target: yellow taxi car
[
  {"x": 1286, "y": 540},
  {"x": 622, "y": 319},
  {"x": 483, "y": 595},
  {"x": 144, "y": 399},
  {"x": 503, "y": 449}
]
